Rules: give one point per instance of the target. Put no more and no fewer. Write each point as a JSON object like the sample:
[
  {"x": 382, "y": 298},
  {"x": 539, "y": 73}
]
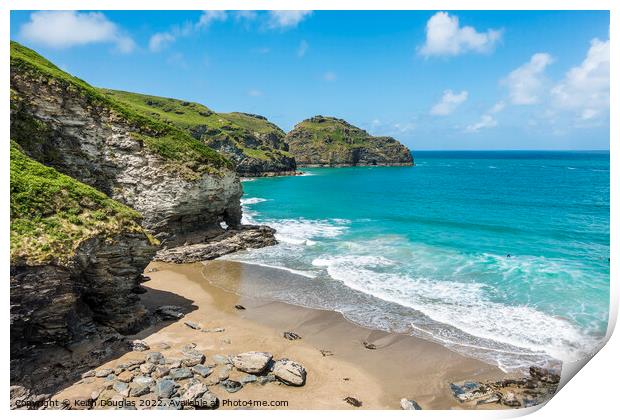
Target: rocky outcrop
[
  {"x": 232, "y": 240},
  {"x": 536, "y": 389},
  {"x": 77, "y": 258},
  {"x": 174, "y": 181},
  {"x": 328, "y": 141},
  {"x": 255, "y": 145}
]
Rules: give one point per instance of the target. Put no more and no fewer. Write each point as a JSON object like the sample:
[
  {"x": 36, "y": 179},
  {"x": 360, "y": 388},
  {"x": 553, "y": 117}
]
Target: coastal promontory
[{"x": 329, "y": 141}]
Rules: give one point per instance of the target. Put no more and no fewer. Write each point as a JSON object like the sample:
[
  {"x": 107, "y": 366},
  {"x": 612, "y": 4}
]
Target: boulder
[
  {"x": 252, "y": 361},
  {"x": 165, "y": 388},
  {"x": 202, "y": 370},
  {"x": 156, "y": 358},
  {"x": 407, "y": 404},
  {"x": 290, "y": 372}
]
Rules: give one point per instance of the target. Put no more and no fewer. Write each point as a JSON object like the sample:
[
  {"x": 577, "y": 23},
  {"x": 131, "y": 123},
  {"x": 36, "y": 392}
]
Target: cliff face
[
  {"x": 328, "y": 141},
  {"x": 177, "y": 183},
  {"x": 77, "y": 259},
  {"x": 255, "y": 145}
]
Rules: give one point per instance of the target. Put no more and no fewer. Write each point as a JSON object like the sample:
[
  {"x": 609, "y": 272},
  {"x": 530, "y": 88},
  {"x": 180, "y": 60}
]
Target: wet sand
[{"x": 401, "y": 366}]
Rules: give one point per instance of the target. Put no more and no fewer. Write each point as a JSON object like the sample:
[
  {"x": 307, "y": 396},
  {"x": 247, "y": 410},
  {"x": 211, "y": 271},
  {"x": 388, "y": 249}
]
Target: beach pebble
[
  {"x": 144, "y": 380},
  {"x": 103, "y": 373},
  {"x": 510, "y": 400},
  {"x": 180, "y": 373},
  {"x": 147, "y": 368},
  {"x": 88, "y": 374},
  {"x": 194, "y": 392},
  {"x": 174, "y": 364},
  {"x": 248, "y": 378},
  {"x": 160, "y": 372},
  {"x": 156, "y": 358},
  {"x": 165, "y": 388},
  {"x": 202, "y": 370},
  {"x": 231, "y": 386},
  {"x": 130, "y": 364},
  {"x": 192, "y": 325},
  {"x": 252, "y": 361},
  {"x": 121, "y": 387},
  {"x": 369, "y": 346},
  {"x": 138, "y": 390},
  {"x": 325, "y": 353},
  {"x": 240, "y": 307},
  {"x": 406, "y": 404},
  {"x": 170, "y": 312},
  {"x": 290, "y": 372},
  {"x": 291, "y": 335},
  {"x": 110, "y": 377},
  {"x": 495, "y": 398},
  {"x": 138, "y": 345},
  {"x": 125, "y": 376},
  {"x": 193, "y": 359},
  {"x": 223, "y": 372},
  {"x": 222, "y": 360},
  {"x": 353, "y": 401},
  {"x": 544, "y": 375},
  {"x": 163, "y": 346},
  {"x": 262, "y": 380}
]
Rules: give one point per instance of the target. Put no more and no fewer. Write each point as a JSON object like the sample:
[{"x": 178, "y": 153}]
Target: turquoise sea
[{"x": 499, "y": 255}]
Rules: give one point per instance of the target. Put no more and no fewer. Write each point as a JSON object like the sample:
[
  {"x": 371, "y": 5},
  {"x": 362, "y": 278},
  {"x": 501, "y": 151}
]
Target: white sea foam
[{"x": 465, "y": 306}]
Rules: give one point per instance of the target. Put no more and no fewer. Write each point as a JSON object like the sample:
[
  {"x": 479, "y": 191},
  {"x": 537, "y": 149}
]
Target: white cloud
[
  {"x": 245, "y": 15},
  {"x": 287, "y": 18},
  {"x": 498, "y": 107},
  {"x": 160, "y": 40},
  {"x": 64, "y": 29},
  {"x": 584, "y": 89},
  {"x": 329, "y": 76},
  {"x": 444, "y": 36},
  {"x": 303, "y": 48},
  {"x": 209, "y": 16},
  {"x": 486, "y": 121},
  {"x": 527, "y": 82},
  {"x": 449, "y": 102},
  {"x": 255, "y": 92}
]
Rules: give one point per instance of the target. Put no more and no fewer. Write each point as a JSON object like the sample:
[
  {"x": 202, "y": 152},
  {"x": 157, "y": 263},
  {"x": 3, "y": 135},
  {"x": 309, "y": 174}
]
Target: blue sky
[{"x": 432, "y": 79}]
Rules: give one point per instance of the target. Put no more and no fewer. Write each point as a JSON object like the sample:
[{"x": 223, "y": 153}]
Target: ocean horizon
[{"x": 500, "y": 255}]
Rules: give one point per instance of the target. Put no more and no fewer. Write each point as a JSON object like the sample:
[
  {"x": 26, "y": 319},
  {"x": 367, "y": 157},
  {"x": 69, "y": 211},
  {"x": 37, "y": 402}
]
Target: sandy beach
[{"x": 331, "y": 348}]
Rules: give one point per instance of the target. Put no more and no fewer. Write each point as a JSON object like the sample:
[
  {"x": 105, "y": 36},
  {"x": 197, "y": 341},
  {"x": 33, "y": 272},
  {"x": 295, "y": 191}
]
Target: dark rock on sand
[
  {"x": 240, "y": 307},
  {"x": 291, "y": 336},
  {"x": 165, "y": 388},
  {"x": 170, "y": 312},
  {"x": 407, "y": 404},
  {"x": 353, "y": 401},
  {"x": 544, "y": 375},
  {"x": 192, "y": 325},
  {"x": 138, "y": 345},
  {"x": 231, "y": 386},
  {"x": 369, "y": 346},
  {"x": 202, "y": 370}
]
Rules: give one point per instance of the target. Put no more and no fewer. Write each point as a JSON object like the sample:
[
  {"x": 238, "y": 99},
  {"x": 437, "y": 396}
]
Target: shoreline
[{"x": 400, "y": 366}]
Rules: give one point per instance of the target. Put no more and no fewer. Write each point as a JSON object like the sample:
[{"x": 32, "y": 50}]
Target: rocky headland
[
  {"x": 329, "y": 141},
  {"x": 255, "y": 145}
]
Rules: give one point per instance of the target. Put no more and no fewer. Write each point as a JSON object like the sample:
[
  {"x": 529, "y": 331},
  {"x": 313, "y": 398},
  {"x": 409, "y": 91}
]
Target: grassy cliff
[
  {"x": 329, "y": 141},
  {"x": 52, "y": 213},
  {"x": 242, "y": 137},
  {"x": 165, "y": 139}
]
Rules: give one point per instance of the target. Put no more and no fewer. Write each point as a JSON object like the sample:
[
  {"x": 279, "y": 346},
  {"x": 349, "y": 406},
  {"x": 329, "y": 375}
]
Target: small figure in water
[{"x": 508, "y": 255}]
